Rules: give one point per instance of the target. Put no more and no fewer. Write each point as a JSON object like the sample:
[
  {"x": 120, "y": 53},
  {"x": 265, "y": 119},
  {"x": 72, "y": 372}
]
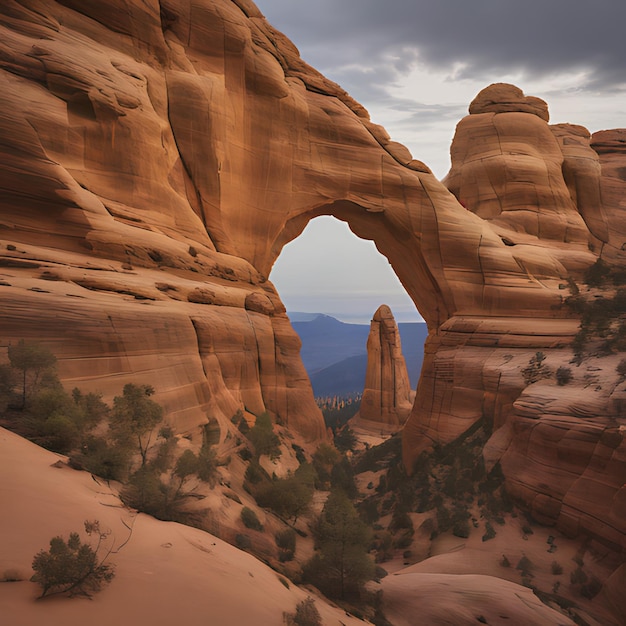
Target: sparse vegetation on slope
[{"x": 72, "y": 567}]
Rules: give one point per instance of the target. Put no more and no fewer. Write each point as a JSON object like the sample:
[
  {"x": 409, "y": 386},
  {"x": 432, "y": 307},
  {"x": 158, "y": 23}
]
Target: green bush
[
  {"x": 286, "y": 539},
  {"x": 242, "y": 541},
  {"x": 578, "y": 576},
  {"x": 207, "y": 465},
  {"x": 563, "y": 375},
  {"x": 536, "y": 369},
  {"x": 255, "y": 474},
  {"x": 288, "y": 497},
  {"x": 263, "y": 438},
  {"x": 102, "y": 459},
  {"x": 72, "y": 567},
  {"x": 490, "y": 532},
  {"x": 307, "y": 614},
  {"x": 591, "y": 589},
  {"x": 186, "y": 465},
  {"x": 146, "y": 492},
  {"x": 250, "y": 519},
  {"x": 525, "y": 566},
  {"x": 596, "y": 274}
]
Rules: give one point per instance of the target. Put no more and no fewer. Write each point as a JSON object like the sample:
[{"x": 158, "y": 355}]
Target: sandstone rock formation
[
  {"x": 157, "y": 156},
  {"x": 387, "y": 397}
]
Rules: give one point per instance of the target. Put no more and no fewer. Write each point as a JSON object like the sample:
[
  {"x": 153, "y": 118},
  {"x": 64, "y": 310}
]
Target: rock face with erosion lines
[
  {"x": 387, "y": 397},
  {"x": 156, "y": 157}
]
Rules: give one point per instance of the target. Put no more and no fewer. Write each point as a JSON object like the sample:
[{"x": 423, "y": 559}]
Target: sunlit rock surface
[
  {"x": 387, "y": 398},
  {"x": 156, "y": 157}
]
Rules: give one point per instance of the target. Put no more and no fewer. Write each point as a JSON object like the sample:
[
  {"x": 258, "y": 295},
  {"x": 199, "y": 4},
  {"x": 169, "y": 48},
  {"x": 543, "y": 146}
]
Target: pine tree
[{"x": 341, "y": 565}]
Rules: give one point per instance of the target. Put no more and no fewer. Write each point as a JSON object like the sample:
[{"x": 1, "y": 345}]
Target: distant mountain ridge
[{"x": 335, "y": 353}]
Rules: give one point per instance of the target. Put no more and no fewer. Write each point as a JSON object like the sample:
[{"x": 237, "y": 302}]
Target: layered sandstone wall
[{"x": 155, "y": 157}]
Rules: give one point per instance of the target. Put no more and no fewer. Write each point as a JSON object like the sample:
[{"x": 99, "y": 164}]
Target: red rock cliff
[{"x": 155, "y": 157}]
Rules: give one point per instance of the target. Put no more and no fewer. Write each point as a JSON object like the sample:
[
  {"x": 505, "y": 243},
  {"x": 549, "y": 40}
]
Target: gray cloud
[{"x": 537, "y": 37}]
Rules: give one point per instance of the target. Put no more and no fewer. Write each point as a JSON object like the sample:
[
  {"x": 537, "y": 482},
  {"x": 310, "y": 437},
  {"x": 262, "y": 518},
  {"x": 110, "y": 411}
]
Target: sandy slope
[
  {"x": 445, "y": 599},
  {"x": 166, "y": 573}
]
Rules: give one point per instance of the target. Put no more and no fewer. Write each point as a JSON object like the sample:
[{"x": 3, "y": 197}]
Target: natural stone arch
[{"x": 392, "y": 240}]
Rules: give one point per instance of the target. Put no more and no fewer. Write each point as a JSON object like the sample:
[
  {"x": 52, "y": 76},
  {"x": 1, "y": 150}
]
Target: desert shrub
[
  {"x": 285, "y": 555},
  {"x": 563, "y": 375},
  {"x": 504, "y": 562},
  {"x": 250, "y": 519},
  {"x": 255, "y": 474},
  {"x": 59, "y": 434},
  {"x": 342, "y": 477},
  {"x": 102, "y": 459},
  {"x": 245, "y": 454},
  {"x": 72, "y": 567},
  {"x": 578, "y": 576},
  {"x": 404, "y": 539},
  {"x": 288, "y": 497},
  {"x": 345, "y": 439},
  {"x": 286, "y": 542},
  {"x": 207, "y": 464},
  {"x": 165, "y": 450},
  {"x": 243, "y": 542},
  {"x": 186, "y": 465},
  {"x": 557, "y": 568},
  {"x": 591, "y": 589},
  {"x": 146, "y": 492},
  {"x": 307, "y": 614},
  {"x": 324, "y": 459},
  {"x": 525, "y": 566},
  {"x": 11, "y": 575},
  {"x": 461, "y": 528},
  {"x": 536, "y": 369},
  {"x": 621, "y": 368},
  {"x": 7, "y": 383},
  {"x": 286, "y": 539},
  {"x": 490, "y": 532},
  {"x": 263, "y": 438},
  {"x": 596, "y": 274},
  {"x": 368, "y": 510}
]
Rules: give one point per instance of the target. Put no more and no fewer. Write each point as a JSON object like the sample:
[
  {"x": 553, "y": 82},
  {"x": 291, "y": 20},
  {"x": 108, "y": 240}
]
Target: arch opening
[
  {"x": 332, "y": 282},
  {"x": 328, "y": 269}
]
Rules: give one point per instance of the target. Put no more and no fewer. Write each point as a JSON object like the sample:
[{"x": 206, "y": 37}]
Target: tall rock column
[{"x": 387, "y": 397}]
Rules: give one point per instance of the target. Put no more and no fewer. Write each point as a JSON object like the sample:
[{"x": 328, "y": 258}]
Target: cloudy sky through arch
[{"x": 416, "y": 64}]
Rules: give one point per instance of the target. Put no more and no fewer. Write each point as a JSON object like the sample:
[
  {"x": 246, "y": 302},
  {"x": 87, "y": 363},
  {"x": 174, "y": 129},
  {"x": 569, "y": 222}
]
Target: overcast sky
[{"x": 416, "y": 65}]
